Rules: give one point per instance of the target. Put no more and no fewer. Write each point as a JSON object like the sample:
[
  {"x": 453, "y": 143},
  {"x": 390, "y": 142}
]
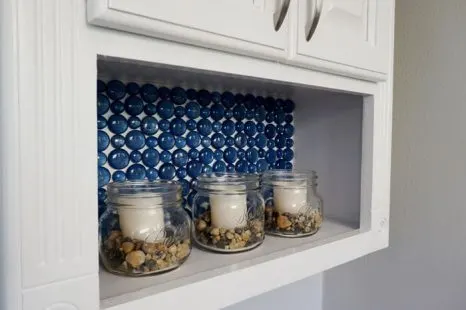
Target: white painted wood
[
  {"x": 235, "y": 26},
  {"x": 355, "y": 34}
]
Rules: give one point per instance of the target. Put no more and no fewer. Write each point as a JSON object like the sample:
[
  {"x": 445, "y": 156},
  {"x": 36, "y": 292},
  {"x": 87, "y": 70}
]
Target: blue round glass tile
[
  {"x": 203, "y": 97},
  {"x": 241, "y": 154},
  {"x": 239, "y": 98},
  {"x": 184, "y": 187},
  {"x": 150, "y": 157},
  {"x": 216, "y": 97},
  {"x": 219, "y": 166},
  {"x": 230, "y": 141},
  {"x": 134, "y": 122},
  {"x": 149, "y": 125},
  {"x": 216, "y": 126},
  {"x": 164, "y": 125},
  {"x": 288, "y": 154},
  {"x": 164, "y": 93},
  {"x": 250, "y": 102},
  {"x": 206, "y": 141},
  {"x": 241, "y": 140},
  {"x": 177, "y": 127},
  {"x": 289, "y": 143},
  {"x": 270, "y": 104},
  {"x": 165, "y": 157},
  {"x": 270, "y": 144},
  {"x": 117, "y": 141},
  {"x": 103, "y": 140},
  {"x": 260, "y": 101},
  {"x": 151, "y": 141},
  {"x": 134, "y": 105},
  {"x": 251, "y": 142},
  {"x": 250, "y": 128},
  {"x": 218, "y": 155},
  {"x": 230, "y": 155},
  {"x": 167, "y": 171},
  {"x": 135, "y": 156},
  {"x": 279, "y": 103},
  {"x": 279, "y": 117},
  {"x": 180, "y": 142},
  {"x": 150, "y": 109},
  {"x": 205, "y": 112},
  {"x": 117, "y": 107},
  {"x": 228, "y": 127},
  {"x": 280, "y": 141},
  {"x": 280, "y": 129},
  {"x": 270, "y": 131},
  {"x": 207, "y": 169},
  {"x": 191, "y": 124},
  {"x": 249, "y": 114},
  {"x": 230, "y": 168},
  {"x": 279, "y": 153},
  {"x": 149, "y": 93},
  {"x": 252, "y": 155},
  {"x": 193, "y": 139},
  {"x": 204, "y": 126},
  {"x": 228, "y": 113},
  {"x": 101, "y": 87},
  {"x": 132, "y": 88},
  {"x": 191, "y": 94},
  {"x": 252, "y": 168},
  {"x": 118, "y": 159},
  {"x": 102, "y": 195},
  {"x": 261, "y": 153},
  {"x": 280, "y": 164},
  {"x": 103, "y": 104},
  {"x": 288, "y": 106},
  {"x": 193, "y": 110},
  {"x": 101, "y": 122},
  {"x": 181, "y": 173},
  {"x": 288, "y": 118},
  {"x": 152, "y": 174},
  {"x": 261, "y": 165},
  {"x": 179, "y": 111},
  {"x": 178, "y": 95},
  {"x": 135, "y": 140},
  {"x": 269, "y": 118},
  {"x": 239, "y": 112},
  {"x": 239, "y": 126},
  {"x": 118, "y": 176},
  {"x": 288, "y": 166},
  {"x": 259, "y": 114},
  {"x": 165, "y": 109},
  {"x": 228, "y": 99},
  {"x": 270, "y": 156},
  {"x": 206, "y": 156},
  {"x": 166, "y": 141},
  {"x": 117, "y": 124},
  {"x": 241, "y": 166},
  {"x": 101, "y": 159},
  {"x": 136, "y": 172},
  {"x": 193, "y": 153},
  {"x": 288, "y": 130},
  {"x": 194, "y": 168},
  {"x": 180, "y": 158},
  {"x": 116, "y": 90},
  {"x": 103, "y": 176},
  {"x": 217, "y": 112}
]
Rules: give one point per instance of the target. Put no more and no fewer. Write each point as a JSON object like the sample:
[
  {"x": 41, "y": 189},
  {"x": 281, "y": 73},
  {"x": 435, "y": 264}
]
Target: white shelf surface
[{"x": 277, "y": 262}]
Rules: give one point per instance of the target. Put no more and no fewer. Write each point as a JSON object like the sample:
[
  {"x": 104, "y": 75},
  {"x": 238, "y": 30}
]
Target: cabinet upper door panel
[
  {"x": 350, "y": 32},
  {"x": 244, "y": 26}
]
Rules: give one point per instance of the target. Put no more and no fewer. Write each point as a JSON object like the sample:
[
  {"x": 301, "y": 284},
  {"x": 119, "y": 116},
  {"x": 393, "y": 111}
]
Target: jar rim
[
  {"x": 227, "y": 181},
  {"x": 285, "y": 178}
]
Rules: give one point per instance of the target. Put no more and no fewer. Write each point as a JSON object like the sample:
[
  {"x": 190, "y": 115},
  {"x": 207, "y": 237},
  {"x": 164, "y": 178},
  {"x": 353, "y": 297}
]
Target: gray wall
[{"x": 425, "y": 266}]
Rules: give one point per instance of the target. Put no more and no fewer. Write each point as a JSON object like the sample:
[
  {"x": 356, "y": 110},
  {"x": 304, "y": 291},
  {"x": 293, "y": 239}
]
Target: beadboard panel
[{"x": 56, "y": 142}]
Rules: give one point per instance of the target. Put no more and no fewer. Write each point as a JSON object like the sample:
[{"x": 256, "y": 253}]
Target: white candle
[
  {"x": 289, "y": 198},
  {"x": 139, "y": 219},
  {"x": 228, "y": 210}
]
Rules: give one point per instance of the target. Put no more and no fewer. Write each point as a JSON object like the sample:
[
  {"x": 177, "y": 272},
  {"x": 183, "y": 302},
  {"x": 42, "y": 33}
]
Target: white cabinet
[
  {"x": 240, "y": 26},
  {"x": 355, "y": 33}
]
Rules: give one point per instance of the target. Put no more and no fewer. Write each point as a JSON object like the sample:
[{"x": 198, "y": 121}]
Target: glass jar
[
  {"x": 292, "y": 206},
  {"x": 228, "y": 212},
  {"x": 144, "y": 229}
]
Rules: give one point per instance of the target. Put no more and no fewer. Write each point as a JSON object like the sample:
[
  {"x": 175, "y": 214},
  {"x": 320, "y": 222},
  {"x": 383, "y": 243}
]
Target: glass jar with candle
[
  {"x": 144, "y": 229},
  {"x": 292, "y": 206},
  {"x": 228, "y": 212}
]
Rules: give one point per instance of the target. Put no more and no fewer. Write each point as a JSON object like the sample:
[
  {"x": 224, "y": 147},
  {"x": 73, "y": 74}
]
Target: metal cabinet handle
[
  {"x": 315, "y": 19},
  {"x": 279, "y": 17}
]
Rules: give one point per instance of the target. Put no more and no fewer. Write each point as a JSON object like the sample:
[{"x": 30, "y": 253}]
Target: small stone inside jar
[{"x": 292, "y": 224}]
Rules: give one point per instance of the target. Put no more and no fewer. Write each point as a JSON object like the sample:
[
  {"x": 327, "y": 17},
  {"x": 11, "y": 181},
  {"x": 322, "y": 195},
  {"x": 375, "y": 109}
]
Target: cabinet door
[
  {"x": 244, "y": 26},
  {"x": 355, "y": 33}
]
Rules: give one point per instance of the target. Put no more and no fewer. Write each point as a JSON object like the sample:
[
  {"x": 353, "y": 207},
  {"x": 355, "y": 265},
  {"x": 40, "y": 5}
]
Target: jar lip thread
[
  {"x": 290, "y": 178},
  {"x": 227, "y": 182}
]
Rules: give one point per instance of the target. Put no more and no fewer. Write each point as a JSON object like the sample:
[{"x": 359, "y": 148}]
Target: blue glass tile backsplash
[{"x": 156, "y": 132}]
